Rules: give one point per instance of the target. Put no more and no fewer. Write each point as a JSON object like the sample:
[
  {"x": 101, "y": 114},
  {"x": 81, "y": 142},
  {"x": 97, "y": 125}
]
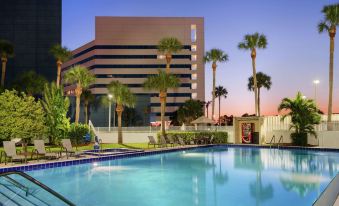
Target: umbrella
[{"x": 202, "y": 120}]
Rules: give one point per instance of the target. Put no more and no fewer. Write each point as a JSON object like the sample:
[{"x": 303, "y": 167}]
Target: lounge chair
[
  {"x": 67, "y": 147},
  {"x": 163, "y": 141},
  {"x": 170, "y": 140},
  {"x": 10, "y": 152},
  {"x": 181, "y": 141},
  {"x": 152, "y": 141},
  {"x": 39, "y": 150}
]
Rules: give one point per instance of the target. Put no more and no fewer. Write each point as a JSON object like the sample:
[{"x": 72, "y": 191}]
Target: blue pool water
[{"x": 214, "y": 176}]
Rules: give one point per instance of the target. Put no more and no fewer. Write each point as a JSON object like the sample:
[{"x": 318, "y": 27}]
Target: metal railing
[
  {"x": 36, "y": 182},
  {"x": 171, "y": 128}
]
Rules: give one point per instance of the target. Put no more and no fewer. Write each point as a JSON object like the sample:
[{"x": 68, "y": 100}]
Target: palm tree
[
  {"x": 207, "y": 106},
  {"x": 162, "y": 82},
  {"x": 215, "y": 56},
  {"x": 61, "y": 54},
  {"x": 168, "y": 46},
  {"x": 263, "y": 80},
  {"x": 88, "y": 98},
  {"x": 253, "y": 42},
  {"x": 220, "y": 91},
  {"x": 30, "y": 82},
  {"x": 123, "y": 96},
  {"x": 304, "y": 115},
  {"x": 82, "y": 78},
  {"x": 329, "y": 24},
  {"x": 6, "y": 51}
]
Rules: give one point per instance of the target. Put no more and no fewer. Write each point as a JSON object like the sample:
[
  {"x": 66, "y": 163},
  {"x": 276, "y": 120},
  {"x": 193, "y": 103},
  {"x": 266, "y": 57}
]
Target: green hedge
[{"x": 219, "y": 137}]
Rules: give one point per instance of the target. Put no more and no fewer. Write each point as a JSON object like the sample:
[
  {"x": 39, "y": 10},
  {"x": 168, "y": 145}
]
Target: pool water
[{"x": 213, "y": 176}]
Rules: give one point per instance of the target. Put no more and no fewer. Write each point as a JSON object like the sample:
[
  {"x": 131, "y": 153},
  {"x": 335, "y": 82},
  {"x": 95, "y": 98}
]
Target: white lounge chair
[
  {"x": 67, "y": 147},
  {"x": 39, "y": 150},
  {"x": 11, "y": 153}
]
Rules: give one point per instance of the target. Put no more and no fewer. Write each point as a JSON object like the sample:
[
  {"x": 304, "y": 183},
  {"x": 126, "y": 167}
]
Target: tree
[
  {"x": 123, "y": 97},
  {"x": 6, "y": 51},
  {"x": 263, "y": 81},
  {"x": 161, "y": 83},
  {"x": 220, "y": 91},
  {"x": 30, "y": 82},
  {"x": 329, "y": 24},
  {"x": 304, "y": 115},
  {"x": 253, "y": 42},
  {"x": 207, "y": 106},
  {"x": 21, "y": 117},
  {"x": 88, "y": 98},
  {"x": 215, "y": 56},
  {"x": 56, "y": 106},
  {"x": 168, "y": 46},
  {"x": 82, "y": 78},
  {"x": 189, "y": 111},
  {"x": 61, "y": 54}
]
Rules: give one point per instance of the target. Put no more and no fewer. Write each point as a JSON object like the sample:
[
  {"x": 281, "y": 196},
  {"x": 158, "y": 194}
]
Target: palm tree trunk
[
  {"x": 86, "y": 112},
  {"x": 58, "y": 73},
  {"x": 219, "y": 110},
  {"x": 3, "y": 73},
  {"x": 119, "y": 111},
  {"x": 214, "y": 68},
  {"x": 330, "y": 94},
  {"x": 162, "y": 96},
  {"x": 207, "y": 111},
  {"x": 253, "y": 56},
  {"x": 78, "y": 91},
  {"x": 168, "y": 63},
  {"x": 259, "y": 101}
]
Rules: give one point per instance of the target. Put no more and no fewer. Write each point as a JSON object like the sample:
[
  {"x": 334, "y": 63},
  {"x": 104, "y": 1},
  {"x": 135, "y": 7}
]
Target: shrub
[
  {"x": 77, "y": 132},
  {"x": 219, "y": 137},
  {"x": 299, "y": 139}
]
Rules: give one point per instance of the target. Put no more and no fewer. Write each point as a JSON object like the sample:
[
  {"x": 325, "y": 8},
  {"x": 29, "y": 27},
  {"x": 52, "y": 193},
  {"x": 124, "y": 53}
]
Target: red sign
[{"x": 246, "y": 132}]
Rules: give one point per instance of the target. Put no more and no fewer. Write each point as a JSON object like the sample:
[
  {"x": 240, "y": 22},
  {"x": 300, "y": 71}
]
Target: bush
[
  {"x": 299, "y": 139},
  {"x": 219, "y": 137},
  {"x": 77, "y": 132}
]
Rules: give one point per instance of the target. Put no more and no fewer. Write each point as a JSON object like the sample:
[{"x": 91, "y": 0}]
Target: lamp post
[
  {"x": 315, "y": 82},
  {"x": 109, "y": 111}
]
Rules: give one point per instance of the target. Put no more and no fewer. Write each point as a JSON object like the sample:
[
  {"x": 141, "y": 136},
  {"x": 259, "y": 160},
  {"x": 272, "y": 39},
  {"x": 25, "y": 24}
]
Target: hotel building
[{"x": 125, "y": 49}]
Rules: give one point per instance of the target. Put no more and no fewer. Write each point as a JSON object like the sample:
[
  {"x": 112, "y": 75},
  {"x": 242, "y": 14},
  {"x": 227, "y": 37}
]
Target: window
[
  {"x": 194, "y": 48},
  {"x": 194, "y": 95},
  {"x": 193, "y": 33},
  {"x": 194, "y": 57},
  {"x": 194, "y": 76},
  {"x": 194, "y": 85},
  {"x": 194, "y": 67}
]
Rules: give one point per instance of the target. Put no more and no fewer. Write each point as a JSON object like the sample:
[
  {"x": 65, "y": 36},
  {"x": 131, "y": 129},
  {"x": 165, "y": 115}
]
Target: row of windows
[
  {"x": 129, "y": 57},
  {"x": 176, "y": 104},
  {"x": 157, "y": 95},
  {"x": 135, "y": 66},
  {"x": 188, "y": 47},
  {"x": 134, "y": 85},
  {"x": 166, "y": 114},
  {"x": 136, "y": 75}
]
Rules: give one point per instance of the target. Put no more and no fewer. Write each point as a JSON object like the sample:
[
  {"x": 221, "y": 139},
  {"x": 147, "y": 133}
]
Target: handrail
[
  {"x": 273, "y": 138},
  {"x": 280, "y": 139},
  {"x": 43, "y": 186}
]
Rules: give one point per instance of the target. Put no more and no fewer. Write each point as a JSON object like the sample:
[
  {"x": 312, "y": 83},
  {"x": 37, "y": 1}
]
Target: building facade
[
  {"x": 125, "y": 49},
  {"x": 32, "y": 27}
]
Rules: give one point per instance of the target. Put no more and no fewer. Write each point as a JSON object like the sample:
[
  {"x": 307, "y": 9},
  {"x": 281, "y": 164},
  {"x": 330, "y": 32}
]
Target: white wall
[{"x": 128, "y": 137}]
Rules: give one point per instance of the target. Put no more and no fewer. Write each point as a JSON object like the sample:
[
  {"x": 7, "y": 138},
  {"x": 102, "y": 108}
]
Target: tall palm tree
[
  {"x": 88, "y": 98},
  {"x": 123, "y": 96},
  {"x": 6, "y": 51},
  {"x": 329, "y": 24},
  {"x": 253, "y": 42},
  {"x": 168, "y": 46},
  {"x": 207, "y": 105},
  {"x": 61, "y": 54},
  {"x": 215, "y": 56},
  {"x": 82, "y": 78},
  {"x": 263, "y": 80},
  {"x": 220, "y": 91},
  {"x": 161, "y": 83}
]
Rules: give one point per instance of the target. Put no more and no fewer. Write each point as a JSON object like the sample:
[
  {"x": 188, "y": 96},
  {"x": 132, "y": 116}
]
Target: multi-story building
[
  {"x": 32, "y": 27},
  {"x": 125, "y": 49}
]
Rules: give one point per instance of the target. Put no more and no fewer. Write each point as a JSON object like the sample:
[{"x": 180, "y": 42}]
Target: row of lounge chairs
[
  {"x": 170, "y": 140},
  {"x": 11, "y": 154}
]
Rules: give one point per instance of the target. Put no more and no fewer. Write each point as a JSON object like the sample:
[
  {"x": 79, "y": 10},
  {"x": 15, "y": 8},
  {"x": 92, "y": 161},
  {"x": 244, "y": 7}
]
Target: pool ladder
[{"x": 273, "y": 141}]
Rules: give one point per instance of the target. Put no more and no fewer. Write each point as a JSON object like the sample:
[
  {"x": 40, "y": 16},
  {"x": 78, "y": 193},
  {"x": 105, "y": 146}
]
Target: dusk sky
[{"x": 296, "y": 53}]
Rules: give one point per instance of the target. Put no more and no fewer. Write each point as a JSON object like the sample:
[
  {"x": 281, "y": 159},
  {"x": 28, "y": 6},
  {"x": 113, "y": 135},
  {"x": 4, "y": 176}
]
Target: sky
[{"x": 295, "y": 56}]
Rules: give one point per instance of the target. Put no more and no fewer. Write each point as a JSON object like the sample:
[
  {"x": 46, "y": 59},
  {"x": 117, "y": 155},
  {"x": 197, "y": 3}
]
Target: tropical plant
[
  {"x": 88, "y": 98},
  {"x": 21, "y": 117},
  {"x": 6, "y": 51},
  {"x": 169, "y": 46},
  {"x": 253, "y": 42},
  {"x": 207, "y": 105},
  {"x": 329, "y": 24},
  {"x": 304, "y": 115},
  {"x": 189, "y": 111},
  {"x": 123, "y": 97},
  {"x": 215, "y": 56},
  {"x": 161, "y": 83},
  {"x": 56, "y": 106},
  {"x": 77, "y": 133},
  {"x": 220, "y": 91},
  {"x": 61, "y": 54},
  {"x": 263, "y": 81},
  {"x": 82, "y": 78},
  {"x": 30, "y": 82}
]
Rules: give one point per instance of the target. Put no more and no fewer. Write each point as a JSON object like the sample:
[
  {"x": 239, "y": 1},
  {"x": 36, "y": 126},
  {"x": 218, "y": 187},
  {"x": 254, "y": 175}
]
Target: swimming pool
[{"x": 213, "y": 176}]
